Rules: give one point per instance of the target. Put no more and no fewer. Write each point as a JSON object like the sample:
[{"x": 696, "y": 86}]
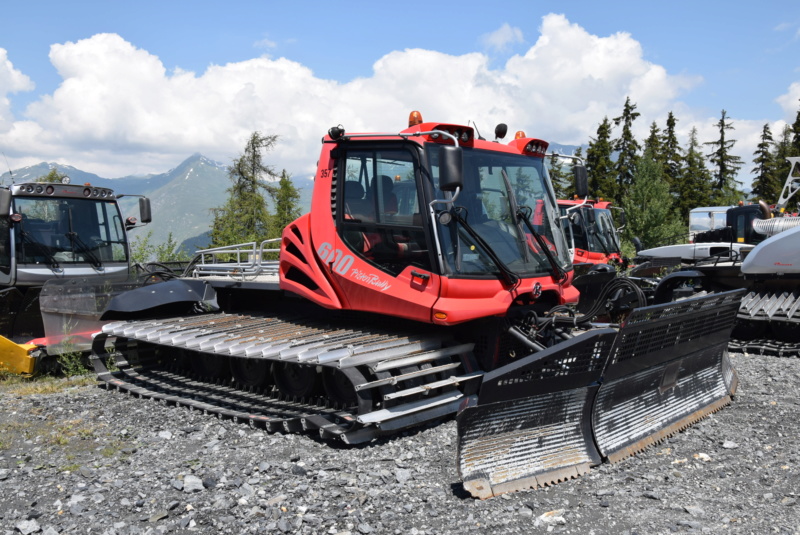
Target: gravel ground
[{"x": 86, "y": 460}]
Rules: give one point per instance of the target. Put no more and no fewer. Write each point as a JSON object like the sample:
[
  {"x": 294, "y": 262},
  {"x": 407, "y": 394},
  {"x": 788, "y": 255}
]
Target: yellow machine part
[{"x": 17, "y": 358}]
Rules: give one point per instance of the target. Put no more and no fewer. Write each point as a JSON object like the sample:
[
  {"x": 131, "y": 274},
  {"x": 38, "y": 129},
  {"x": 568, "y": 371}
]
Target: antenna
[
  {"x": 9, "y": 168},
  {"x": 475, "y": 126}
]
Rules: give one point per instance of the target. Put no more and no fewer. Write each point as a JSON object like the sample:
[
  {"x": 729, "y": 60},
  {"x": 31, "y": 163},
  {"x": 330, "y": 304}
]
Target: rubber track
[
  {"x": 764, "y": 346},
  {"x": 141, "y": 374},
  {"x": 264, "y": 408}
]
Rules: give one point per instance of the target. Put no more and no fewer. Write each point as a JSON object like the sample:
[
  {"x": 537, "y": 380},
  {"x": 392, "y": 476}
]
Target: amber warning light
[{"x": 414, "y": 118}]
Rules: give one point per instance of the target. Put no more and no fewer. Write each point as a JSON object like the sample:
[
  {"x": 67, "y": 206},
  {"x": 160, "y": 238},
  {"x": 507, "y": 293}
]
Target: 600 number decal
[{"x": 339, "y": 261}]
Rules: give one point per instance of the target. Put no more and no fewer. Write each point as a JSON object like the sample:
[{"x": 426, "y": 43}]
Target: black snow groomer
[{"x": 603, "y": 395}]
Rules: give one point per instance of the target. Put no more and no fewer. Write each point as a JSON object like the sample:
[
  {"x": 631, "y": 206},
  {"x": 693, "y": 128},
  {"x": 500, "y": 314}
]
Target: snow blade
[
  {"x": 71, "y": 311},
  {"x": 531, "y": 426},
  {"x": 669, "y": 369},
  {"x": 601, "y": 395}
]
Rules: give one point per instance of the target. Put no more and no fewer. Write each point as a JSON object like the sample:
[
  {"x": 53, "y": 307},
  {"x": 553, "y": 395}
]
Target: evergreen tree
[
  {"x": 783, "y": 150},
  {"x": 244, "y": 217},
  {"x": 143, "y": 251},
  {"x": 672, "y": 155},
  {"x": 795, "y": 149},
  {"x": 766, "y": 185},
  {"x": 653, "y": 144},
  {"x": 286, "y": 208},
  {"x": 694, "y": 187},
  {"x": 599, "y": 165},
  {"x": 726, "y": 165},
  {"x": 627, "y": 148},
  {"x": 649, "y": 207},
  {"x": 559, "y": 176}
]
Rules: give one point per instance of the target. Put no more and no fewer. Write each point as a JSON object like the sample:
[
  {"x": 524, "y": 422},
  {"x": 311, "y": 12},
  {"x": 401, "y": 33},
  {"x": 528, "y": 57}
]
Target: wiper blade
[
  {"x": 525, "y": 213},
  {"x": 54, "y": 265},
  {"x": 511, "y": 278},
  {"x": 83, "y": 248},
  {"x": 600, "y": 239},
  {"x": 512, "y": 204}
]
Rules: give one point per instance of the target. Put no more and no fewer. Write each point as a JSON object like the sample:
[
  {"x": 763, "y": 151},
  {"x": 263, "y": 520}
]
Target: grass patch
[
  {"x": 72, "y": 364},
  {"x": 110, "y": 450},
  {"x": 63, "y": 433},
  {"x": 25, "y": 386}
]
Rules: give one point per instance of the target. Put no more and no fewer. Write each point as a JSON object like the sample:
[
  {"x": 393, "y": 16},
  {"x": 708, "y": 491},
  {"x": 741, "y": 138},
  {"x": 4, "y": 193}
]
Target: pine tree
[
  {"x": 672, "y": 155},
  {"x": 795, "y": 149},
  {"x": 627, "y": 148},
  {"x": 781, "y": 151},
  {"x": 143, "y": 251},
  {"x": 766, "y": 185},
  {"x": 559, "y": 177},
  {"x": 653, "y": 144},
  {"x": 694, "y": 188},
  {"x": 599, "y": 165},
  {"x": 726, "y": 165},
  {"x": 244, "y": 217},
  {"x": 649, "y": 207},
  {"x": 286, "y": 208}
]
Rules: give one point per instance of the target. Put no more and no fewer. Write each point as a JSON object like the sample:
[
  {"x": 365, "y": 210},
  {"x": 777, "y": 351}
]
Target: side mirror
[
  {"x": 623, "y": 220},
  {"x": 500, "y": 131},
  {"x": 5, "y": 202},
  {"x": 581, "y": 181},
  {"x": 144, "y": 210},
  {"x": 451, "y": 167}
]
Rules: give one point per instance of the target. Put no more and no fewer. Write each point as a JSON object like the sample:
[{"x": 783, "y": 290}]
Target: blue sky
[{"x": 120, "y": 88}]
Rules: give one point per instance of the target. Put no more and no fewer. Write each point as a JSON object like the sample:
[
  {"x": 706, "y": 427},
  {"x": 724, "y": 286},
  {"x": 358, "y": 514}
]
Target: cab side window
[{"x": 381, "y": 217}]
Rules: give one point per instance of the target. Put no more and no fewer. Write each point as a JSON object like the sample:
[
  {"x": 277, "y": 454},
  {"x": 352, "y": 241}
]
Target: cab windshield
[
  {"x": 494, "y": 183},
  {"x": 68, "y": 231},
  {"x": 602, "y": 238}
]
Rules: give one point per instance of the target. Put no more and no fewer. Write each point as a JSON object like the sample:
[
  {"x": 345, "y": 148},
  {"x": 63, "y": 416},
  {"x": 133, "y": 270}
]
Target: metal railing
[{"x": 242, "y": 260}]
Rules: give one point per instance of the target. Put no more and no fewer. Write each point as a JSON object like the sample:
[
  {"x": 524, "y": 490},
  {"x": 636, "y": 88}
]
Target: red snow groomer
[{"x": 421, "y": 286}]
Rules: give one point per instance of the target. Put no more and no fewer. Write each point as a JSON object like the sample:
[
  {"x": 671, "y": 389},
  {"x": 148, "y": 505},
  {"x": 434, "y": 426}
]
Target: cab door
[{"x": 382, "y": 258}]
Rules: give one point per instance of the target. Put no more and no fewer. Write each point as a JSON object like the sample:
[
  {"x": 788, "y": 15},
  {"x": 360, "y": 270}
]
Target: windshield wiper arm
[
  {"x": 512, "y": 203},
  {"x": 511, "y": 278},
  {"x": 54, "y": 265},
  {"x": 83, "y": 248},
  {"x": 525, "y": 213}
]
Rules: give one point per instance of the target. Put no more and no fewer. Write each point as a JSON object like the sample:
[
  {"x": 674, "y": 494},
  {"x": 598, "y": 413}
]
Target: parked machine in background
[
  {"x": 756, "y": 250},
  {"x": 593, "y": 232},
  {"x": 55, "y": 232}
]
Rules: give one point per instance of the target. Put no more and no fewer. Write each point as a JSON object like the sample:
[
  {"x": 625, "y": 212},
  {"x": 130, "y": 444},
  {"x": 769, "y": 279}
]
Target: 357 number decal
[{"x": 338, "y": 261}]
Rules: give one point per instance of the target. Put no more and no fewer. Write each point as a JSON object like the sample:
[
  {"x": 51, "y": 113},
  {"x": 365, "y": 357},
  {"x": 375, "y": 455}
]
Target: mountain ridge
[{"x": 181, "y": 198}]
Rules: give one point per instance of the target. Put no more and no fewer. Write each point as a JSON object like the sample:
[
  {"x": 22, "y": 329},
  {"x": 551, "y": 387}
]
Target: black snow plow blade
[{"x": 603, "y": 395}]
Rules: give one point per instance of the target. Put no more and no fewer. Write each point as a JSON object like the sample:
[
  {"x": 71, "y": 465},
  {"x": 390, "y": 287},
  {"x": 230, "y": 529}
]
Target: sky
[{"x": 123, "y": 88}]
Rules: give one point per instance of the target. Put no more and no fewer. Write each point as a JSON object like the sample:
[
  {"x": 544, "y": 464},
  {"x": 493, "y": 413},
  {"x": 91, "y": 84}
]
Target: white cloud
[
  {"x": 265, "y": 43},
  {"x": 11, "y": 81},
  {"x": 118, "y": 111},
  {"x": 502, "y": 38},
  {"x": 788, "y": 101}
]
